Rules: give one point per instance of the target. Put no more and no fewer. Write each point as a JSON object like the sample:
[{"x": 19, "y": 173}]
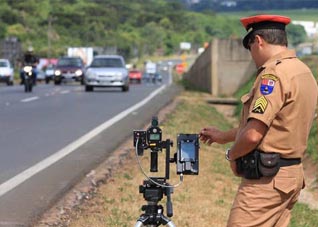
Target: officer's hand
[{"x": 210, "y": 135}]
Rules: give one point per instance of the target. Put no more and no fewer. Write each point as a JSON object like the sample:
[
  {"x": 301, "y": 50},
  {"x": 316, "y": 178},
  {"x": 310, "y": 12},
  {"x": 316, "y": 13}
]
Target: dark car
[{"x": 69, "y": 69}]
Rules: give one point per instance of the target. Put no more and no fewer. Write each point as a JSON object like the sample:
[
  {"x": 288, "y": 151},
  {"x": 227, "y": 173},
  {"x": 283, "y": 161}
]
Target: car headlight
[
  {"x": 57, "y": 72},
  {"x": 78, "y": 72}
]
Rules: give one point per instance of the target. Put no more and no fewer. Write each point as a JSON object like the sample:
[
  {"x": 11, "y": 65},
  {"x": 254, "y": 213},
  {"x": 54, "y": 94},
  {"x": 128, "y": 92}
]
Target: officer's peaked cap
[{"x": 258, "y": 22}]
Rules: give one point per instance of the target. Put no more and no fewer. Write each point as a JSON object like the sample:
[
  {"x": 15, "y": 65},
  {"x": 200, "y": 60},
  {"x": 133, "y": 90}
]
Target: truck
[{"x": 86, "y": 53}]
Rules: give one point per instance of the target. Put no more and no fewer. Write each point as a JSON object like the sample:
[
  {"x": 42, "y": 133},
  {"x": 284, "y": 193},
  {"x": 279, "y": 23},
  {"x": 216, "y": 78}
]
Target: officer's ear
[{"x": 260, "y": 41}]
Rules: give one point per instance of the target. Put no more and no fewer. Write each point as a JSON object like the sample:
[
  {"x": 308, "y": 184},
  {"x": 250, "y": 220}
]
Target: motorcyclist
[{"x": 29, "y": 58}]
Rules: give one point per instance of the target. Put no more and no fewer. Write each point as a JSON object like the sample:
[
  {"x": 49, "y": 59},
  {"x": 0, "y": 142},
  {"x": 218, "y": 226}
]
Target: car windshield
[
  {"x": 70, "y": 62},
  {"x": 107, "y": 62},
  {"x": 3, "y": 64}
]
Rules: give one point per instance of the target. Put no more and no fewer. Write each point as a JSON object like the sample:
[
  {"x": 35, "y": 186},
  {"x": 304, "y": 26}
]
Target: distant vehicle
[
  {"x": 49, "y": 73},
  {"x": 152, "y": 78},
  {"x": 135, "y": 75},
  {"x": 40, "y": 75},
  {"x": 151, "y": 67},
  {"x": 151, "y": 72},
  {"x": 6, "y": 72},
  {"x": 158, "y": 77},
  {"x": 107, "y": 71},
  {"x": 69, "y": 69}
]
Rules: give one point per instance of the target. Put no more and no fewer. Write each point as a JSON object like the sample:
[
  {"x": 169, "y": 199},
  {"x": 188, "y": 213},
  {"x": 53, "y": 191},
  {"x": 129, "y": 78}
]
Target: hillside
[{"x": 132, "y": 28}]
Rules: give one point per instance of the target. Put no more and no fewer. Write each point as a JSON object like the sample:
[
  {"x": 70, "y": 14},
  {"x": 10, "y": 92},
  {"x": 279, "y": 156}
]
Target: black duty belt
[{"x": 289, "y": 161}]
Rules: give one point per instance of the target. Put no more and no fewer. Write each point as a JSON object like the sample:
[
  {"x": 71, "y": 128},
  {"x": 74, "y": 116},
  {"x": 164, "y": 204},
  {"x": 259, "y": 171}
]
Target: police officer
[{"x": 276, "y": 119}]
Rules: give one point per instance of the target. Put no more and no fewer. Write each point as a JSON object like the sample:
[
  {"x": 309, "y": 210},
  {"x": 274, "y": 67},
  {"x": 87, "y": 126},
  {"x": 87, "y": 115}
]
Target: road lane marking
[
  {"x": 65, "y": 92},
  {"x": 28, "y": 173},
  {"x": 30, "y": 99}
]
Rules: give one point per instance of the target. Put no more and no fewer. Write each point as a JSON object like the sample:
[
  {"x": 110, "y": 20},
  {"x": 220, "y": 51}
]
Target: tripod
[
  {"x": 153, "y": 190},
  {"x": 153, "y": 193}
]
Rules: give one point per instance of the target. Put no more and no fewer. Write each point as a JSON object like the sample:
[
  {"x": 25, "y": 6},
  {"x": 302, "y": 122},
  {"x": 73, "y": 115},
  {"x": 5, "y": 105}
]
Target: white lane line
[
  {"x": 28, "y": 173},
  {"x": 30, "y": 99},
  {"x": 65, "y": 92}
]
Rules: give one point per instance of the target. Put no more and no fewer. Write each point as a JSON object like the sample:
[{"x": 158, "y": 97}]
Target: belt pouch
[
  {"x": 268, "y": 164},
  {"x": 248, "y": 165}
]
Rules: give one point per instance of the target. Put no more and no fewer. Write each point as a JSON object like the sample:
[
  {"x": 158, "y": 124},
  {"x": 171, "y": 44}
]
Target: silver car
[{"x": 107, "y": 71}]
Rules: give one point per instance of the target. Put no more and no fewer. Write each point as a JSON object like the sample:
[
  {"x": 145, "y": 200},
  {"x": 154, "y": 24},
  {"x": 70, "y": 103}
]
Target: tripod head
[{"x": 153, "y": 193}]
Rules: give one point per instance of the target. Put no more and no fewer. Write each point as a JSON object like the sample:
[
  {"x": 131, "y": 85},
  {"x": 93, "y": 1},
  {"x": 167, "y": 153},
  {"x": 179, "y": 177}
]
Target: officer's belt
[{"x": 289, "y": 161}]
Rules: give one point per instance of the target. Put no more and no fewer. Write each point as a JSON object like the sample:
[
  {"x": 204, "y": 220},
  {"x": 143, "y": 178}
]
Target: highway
[{"x": 52, "y": 137}]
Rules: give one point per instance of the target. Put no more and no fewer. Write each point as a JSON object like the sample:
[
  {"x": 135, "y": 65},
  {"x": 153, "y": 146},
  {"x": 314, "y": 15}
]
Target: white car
[
  {"x": 6, "y": 72},
  {"x": 107, "y": 71}
]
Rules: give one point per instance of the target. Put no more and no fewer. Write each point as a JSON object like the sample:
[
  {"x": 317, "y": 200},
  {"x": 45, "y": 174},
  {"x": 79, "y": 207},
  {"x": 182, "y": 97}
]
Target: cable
[{"x": 148, "y": 178}]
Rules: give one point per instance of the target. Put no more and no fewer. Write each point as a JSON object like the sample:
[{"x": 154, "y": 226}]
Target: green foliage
[
  {"x": 311, "y": 61},
  {"x": 243, "y": 90},
  {"x": 303, "y": 216},
  {"x": 296, "y": 34},
  {"x": 135, "y": 28}
]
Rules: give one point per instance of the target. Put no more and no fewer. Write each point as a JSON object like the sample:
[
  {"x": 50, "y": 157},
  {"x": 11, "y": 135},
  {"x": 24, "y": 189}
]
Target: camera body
[
  {"x": 188, "y": 154},
  {"x": 186, "y": 157},
  {"x": 151, "y": 138}
]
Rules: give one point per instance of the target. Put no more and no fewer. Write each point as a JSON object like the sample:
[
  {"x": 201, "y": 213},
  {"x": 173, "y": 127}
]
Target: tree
[{"x": 296, "y": 34}]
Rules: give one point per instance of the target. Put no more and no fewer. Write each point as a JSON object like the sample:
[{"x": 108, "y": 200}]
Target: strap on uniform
[{"x": 289, "y": 161}]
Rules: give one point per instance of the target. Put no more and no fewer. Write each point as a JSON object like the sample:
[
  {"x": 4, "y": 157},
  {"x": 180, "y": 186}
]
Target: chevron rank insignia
[{"x": 260, "y": 105}]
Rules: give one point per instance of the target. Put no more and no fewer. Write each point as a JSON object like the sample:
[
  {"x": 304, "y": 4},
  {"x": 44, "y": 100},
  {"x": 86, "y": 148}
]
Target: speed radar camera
[{"x": 154, "y": 188}]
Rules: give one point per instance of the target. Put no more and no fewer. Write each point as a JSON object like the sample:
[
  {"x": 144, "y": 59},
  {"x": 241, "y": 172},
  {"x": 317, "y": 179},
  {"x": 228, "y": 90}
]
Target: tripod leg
[
  {"x": 139, "y": 224},
  {"x": 170, "y": 224}
]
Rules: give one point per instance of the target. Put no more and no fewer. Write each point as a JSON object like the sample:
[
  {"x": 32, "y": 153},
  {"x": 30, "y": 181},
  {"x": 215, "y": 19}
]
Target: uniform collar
[{"x": 276, "y": 59}]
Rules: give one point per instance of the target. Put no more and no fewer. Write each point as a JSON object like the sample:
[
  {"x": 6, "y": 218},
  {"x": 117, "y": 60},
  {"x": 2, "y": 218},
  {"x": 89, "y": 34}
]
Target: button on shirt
[{"x": 283, "y": 97}]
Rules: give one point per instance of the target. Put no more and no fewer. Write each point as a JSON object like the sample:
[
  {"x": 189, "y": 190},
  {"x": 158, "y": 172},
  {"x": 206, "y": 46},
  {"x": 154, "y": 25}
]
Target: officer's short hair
[{"x": 271, "y": 36}]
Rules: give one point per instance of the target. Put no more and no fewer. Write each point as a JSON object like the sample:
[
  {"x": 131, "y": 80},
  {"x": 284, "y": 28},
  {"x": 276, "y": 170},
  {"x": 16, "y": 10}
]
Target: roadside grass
[{"x": 204, "y": 200}]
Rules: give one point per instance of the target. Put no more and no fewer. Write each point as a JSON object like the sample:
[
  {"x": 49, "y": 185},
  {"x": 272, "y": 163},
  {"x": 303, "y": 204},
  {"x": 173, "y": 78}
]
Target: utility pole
[{"x": 49, "y": 34}]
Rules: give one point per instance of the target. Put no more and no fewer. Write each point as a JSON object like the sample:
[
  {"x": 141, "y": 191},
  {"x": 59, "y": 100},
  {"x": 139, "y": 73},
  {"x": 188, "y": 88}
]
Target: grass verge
[{"x": 204, "y": 200}]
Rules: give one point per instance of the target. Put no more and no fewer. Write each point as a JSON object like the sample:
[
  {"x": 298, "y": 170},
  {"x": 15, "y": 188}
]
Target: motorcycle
[{"x": 28, "y": 78}]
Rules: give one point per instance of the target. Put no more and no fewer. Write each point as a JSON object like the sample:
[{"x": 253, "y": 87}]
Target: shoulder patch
[
  {"x": 267, "y": 84},
  {"x": 260, "y": 105}
]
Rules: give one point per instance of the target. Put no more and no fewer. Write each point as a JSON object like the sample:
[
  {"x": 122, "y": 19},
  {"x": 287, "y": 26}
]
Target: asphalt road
[{"x": 51, "y": 138}]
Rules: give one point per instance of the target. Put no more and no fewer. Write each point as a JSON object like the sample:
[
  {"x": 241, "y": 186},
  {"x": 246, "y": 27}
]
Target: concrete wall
[{"x": 222, "y": 68}]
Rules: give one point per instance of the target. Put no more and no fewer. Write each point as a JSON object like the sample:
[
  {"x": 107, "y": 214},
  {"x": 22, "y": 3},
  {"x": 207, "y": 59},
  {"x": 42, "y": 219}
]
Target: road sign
[{"x": 180, "y": 68}]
